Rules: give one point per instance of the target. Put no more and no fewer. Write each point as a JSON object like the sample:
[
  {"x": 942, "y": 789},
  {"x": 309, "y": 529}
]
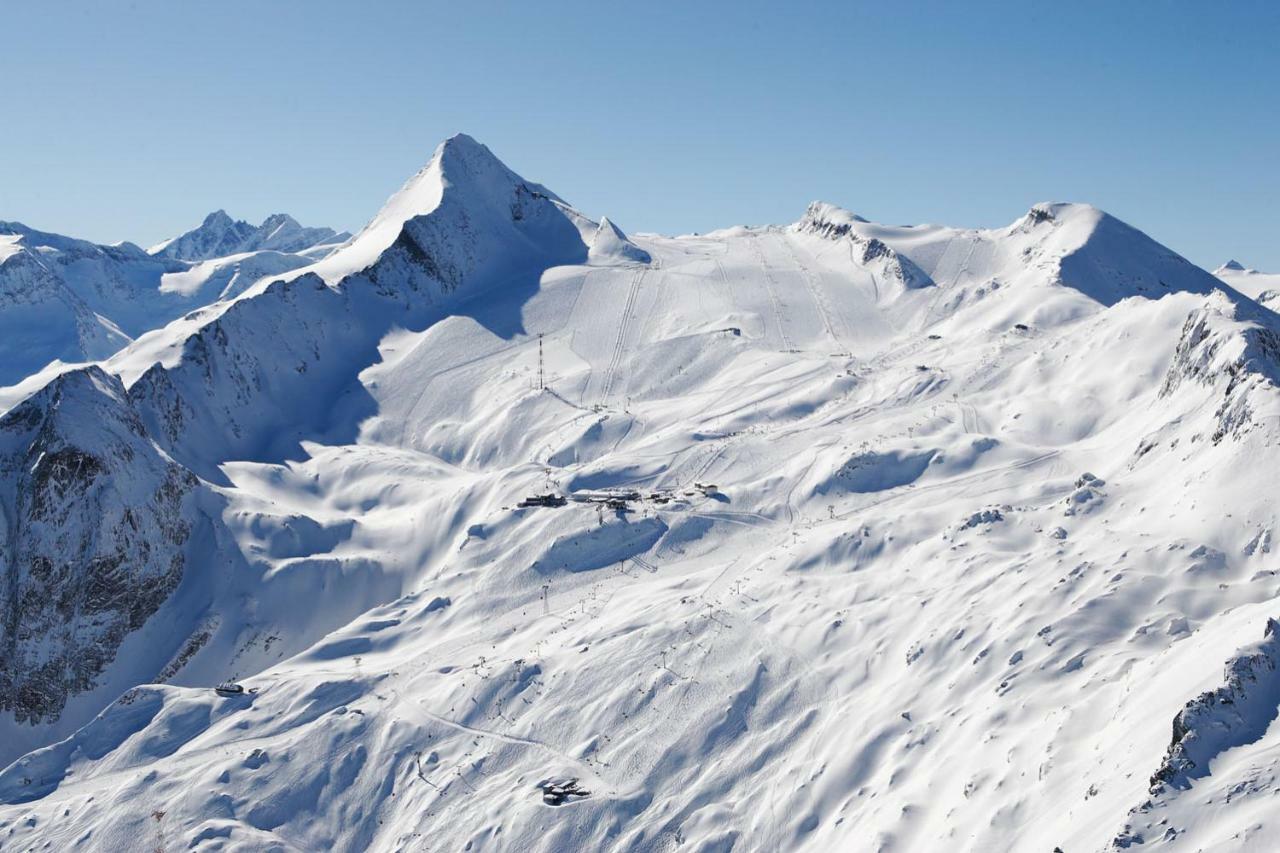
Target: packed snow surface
[{"x": 521, "y": 534}]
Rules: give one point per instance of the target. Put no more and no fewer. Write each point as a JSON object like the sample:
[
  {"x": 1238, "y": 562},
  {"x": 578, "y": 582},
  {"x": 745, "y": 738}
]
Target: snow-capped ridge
[
  {"x": 71, "y": 300},
  {"x": 1104, "y": 257},
  {"x": 766, "y": 458},
  {"x": 464, "y": 195},
  {"x": 820, "y": 215},
  {"x": 1056, "y": 212},
  {"x": 834, "y": 223},
  {"x": 218, "y": 235},
  {"x": 463, "y": 223},
  {"x": 1233, "y": 343}
]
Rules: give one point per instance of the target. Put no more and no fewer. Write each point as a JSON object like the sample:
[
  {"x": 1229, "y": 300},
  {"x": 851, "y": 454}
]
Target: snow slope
[{"x": 922, "y": 538}]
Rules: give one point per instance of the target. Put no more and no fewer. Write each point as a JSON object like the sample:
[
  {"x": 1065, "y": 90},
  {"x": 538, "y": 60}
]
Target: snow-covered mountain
[
  {"x": 1261, "y": 286},
  {"x": 219, "y": 236},
  {"x": 873, "y": 537},
  {"x": 74, "y": 301}
]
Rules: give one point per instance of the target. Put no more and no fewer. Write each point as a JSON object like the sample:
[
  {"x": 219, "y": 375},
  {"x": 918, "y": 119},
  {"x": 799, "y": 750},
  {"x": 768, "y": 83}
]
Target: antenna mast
[{"x": 541, "y": 382}]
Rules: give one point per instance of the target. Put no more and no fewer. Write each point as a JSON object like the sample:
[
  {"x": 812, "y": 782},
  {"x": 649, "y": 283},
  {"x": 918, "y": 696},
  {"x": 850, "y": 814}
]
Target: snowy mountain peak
[
  {"x": 279, "y": 220},
  {"x": 821, "y": 212},
  {"x": 218, "y": 235},
  {"x": 835, "y": 223},
  {"x": 1108, "y": 259},
  {"x": 1059, "y": 212},
  {"x": 442, "y": 505},
  {"x": 1261, "y": 286},
  {"x": 610, "y": 245},
  {"x": 218, "y": 219},
  {"x": 462, "y": 210}
]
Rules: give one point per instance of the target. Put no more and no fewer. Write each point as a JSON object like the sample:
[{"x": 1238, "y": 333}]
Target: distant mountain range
[
  {"x": 76, "y": 301},
  {"x": 219, "y": 236}
]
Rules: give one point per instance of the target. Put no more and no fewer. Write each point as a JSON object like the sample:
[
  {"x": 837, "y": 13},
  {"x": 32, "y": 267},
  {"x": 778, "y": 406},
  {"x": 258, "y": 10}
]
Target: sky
[{"x": 134, "y": 120}]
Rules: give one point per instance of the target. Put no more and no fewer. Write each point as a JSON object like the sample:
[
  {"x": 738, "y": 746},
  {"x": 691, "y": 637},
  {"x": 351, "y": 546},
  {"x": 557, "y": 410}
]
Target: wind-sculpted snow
[{"x": 521, "y": 534}]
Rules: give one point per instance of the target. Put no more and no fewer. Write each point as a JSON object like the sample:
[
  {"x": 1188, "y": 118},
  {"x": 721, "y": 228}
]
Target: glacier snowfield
[{"x": 874, "y": 537}]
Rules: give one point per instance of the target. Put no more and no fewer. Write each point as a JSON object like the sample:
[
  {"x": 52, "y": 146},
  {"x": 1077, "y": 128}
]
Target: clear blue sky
[{"x": 133, "y": 120}]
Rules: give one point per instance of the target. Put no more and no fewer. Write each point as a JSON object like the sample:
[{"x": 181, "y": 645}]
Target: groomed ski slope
[{"x": 985, "y": 519}]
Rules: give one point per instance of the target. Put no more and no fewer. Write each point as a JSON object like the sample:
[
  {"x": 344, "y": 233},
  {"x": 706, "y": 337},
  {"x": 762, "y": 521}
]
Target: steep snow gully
[{"x": 518, "y": 532}]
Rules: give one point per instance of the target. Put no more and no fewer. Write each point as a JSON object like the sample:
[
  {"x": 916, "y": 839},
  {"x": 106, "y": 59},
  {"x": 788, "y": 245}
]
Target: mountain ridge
[
  {"x": 219, "y": 236},
  {"x": 999, "y": 496}
]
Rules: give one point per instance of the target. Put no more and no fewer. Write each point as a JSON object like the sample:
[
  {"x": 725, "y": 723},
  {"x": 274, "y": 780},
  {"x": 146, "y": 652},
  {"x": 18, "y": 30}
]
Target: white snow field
[{"x": 874, "y": 538}]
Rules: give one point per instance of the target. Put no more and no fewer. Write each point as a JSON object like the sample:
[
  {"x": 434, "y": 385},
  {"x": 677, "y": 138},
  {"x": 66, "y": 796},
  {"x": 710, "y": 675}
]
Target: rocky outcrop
[
  {"x": 832, "y": 223},
  {"x": 95, "y": 523},
  {"x": 1229, "y": 344},
  {"x": 1234, "y": 714}
]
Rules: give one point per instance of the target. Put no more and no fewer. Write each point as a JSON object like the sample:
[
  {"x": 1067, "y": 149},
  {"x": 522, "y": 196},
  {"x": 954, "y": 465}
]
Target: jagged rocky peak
[
  {"x": 219, "y": 235},
  {"x": 98, "y": 520}
]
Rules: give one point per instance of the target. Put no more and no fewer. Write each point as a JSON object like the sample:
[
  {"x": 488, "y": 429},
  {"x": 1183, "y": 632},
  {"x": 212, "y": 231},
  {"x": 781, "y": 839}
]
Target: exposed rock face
[
  {"x": 1228, "y": 343},
  {"x": 1236, "y": 713},
  {"x": 95, "y": 520},
  {"x": 834, "y": 224}
]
